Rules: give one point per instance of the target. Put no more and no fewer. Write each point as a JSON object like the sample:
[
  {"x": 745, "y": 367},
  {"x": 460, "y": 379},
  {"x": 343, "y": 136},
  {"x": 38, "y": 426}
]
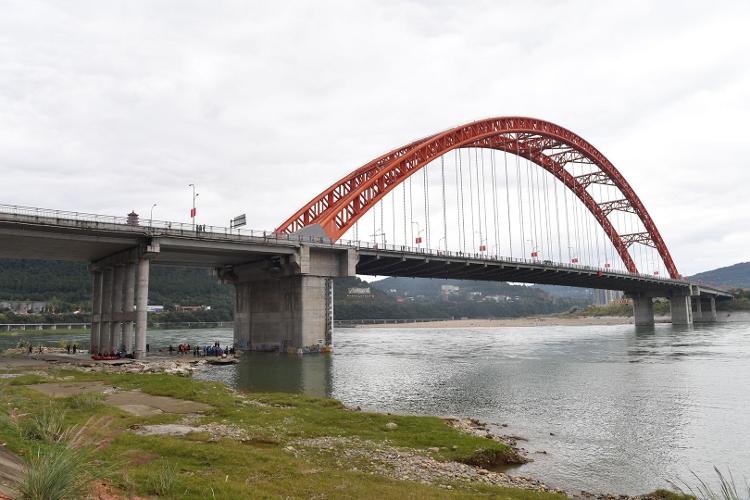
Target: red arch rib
[{"x": 337, "y": 208}]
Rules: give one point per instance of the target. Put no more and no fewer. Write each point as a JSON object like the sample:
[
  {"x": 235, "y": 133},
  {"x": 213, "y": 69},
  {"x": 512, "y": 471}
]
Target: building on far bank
[
  {"x": 23, "y": 306},
  {"x": 181, "y": 308},
  {"x": 604, "y": 297}
]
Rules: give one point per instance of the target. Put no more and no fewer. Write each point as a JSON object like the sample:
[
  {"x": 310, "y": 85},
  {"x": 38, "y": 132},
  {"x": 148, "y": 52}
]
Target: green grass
[{"x": 193, "y": 467}]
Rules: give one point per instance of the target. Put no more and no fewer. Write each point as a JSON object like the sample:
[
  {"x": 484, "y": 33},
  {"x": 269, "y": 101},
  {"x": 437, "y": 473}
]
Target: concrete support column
[
  {"x": 106, "y": 319},
  {"x": 141, "y": 305},
  {"x": 682, "y": 311},
  {"x": 96, "y": 311},
  {"x": 117, "y": 289},
  {"x": 643, "y": 310},
  {"x": 698, "y": 313},
  {"x": 329, "y": 312},
  {"x": 288, "y": 314},
  {"x": 713, "y": 308},
  {"x": 129, "y": 307}
]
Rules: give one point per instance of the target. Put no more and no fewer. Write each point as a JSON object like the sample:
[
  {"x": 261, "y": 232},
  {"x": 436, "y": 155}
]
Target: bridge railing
[
  {"x": 492, "y": 258},
  {"x": 160, "y": 227}
]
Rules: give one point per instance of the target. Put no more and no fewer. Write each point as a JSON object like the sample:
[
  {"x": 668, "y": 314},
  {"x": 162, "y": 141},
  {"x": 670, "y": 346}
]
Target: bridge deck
[{"x": 43, "y": 234}]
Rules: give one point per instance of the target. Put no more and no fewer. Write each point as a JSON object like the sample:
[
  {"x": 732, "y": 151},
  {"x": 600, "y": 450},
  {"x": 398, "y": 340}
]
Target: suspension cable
[
  {"x": 403, "y": 191},
  {"x": 471, "y": 203},
  {"x": 484, "y": 200},
  {"x": 567, "y": 220},
  {"x": 507, "y": 199},
  {"x": 557, "y": 216},
  {"x": 426, "y": 207},
  {"x": 494, "y": 203},
  {"x": 445, "y": 214},
  {"x": 520, "y": 195},
  {"x": 462, "y": 224}
]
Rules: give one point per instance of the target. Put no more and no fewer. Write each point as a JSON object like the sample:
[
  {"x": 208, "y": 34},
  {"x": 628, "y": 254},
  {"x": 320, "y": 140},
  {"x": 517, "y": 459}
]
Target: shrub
[{"x": 58, "y": 472}]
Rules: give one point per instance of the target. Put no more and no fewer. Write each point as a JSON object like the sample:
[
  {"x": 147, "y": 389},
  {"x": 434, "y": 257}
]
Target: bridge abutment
[{"x": 286, "y": 303}]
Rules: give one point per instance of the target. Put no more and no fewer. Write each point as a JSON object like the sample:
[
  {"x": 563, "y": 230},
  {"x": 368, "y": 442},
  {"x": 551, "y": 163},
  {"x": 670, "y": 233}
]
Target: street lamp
[
  {"x": 192, "y": 210},
  {"x": 482, "y": 242},
  {"x": 378, "y": 232},
  {"x": 534, "y": 250},
  {"x": 151, "y": 218},
  {"x": 418, "y": 239}
]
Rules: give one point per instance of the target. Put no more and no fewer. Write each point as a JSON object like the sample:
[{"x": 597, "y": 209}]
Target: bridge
[{"x": 558, "y": 213}]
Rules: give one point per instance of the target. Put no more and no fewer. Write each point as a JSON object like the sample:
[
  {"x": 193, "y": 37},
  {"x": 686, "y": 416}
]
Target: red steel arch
[{"x": 550, "y": 146}]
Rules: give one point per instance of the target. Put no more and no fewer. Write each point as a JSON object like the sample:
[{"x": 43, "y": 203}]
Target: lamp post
[
  {"x": 192, "y": 210},
  {"x": 418, "y": 239},
  {"x": 151, "y": 218}
]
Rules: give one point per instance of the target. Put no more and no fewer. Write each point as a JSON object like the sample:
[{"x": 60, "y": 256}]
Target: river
[{"x": 617, "y": 409}]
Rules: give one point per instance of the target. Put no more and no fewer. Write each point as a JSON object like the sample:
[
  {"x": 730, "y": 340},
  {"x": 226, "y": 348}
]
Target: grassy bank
[{"x": 270, "y": 460}]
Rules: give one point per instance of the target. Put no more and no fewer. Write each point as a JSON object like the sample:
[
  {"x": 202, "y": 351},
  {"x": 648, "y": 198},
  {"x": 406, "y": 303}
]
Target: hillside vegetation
[
  {"x": 67, "y": 288},
  {"x": 734, "y": 276}
]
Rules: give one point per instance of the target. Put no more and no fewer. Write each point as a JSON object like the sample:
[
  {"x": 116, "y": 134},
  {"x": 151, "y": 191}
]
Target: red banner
[
  {"x": 192, "y": 212},
  {"x": 418, "y": 240}
]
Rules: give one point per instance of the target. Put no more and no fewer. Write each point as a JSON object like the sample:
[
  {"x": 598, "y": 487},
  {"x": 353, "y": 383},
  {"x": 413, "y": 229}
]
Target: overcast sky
[{"x": 111, "y": 106}]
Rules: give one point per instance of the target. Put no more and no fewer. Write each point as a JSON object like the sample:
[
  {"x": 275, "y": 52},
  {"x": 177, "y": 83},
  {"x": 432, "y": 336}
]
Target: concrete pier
[
  {"x": 682, "y": 310},
  {"x": 705, "y": 309},
  {"x": 117, "y": 293},
  {"x": 128, "y": 329},
  {"x": 141, "y": 306},
  {"x": 96, "y": 310},
  {"x": 105, "y": 336},
  {"x": 643, "y": 310},
  {"x": 286, "y": 304}
]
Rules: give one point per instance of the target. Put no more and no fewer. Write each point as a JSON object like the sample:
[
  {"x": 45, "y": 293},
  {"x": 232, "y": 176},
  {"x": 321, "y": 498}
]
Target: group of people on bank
[{"x": 198, "y": 351}]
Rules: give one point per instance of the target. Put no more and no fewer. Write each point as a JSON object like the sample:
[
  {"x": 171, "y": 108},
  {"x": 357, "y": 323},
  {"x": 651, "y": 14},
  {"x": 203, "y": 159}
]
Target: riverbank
[
  {"x": 157, "y": 433},
  {"x": 215, "y": 442}
]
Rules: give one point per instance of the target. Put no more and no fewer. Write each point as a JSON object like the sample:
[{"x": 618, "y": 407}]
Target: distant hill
[{"x": 734, "y": 276}]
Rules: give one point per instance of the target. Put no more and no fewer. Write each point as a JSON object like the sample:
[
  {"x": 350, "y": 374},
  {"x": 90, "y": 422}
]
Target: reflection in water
[
  {"x": 616, "y": 408},
  {"x": 269, "y": 372}
]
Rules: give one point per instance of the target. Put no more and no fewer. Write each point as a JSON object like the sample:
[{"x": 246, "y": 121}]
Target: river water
[{"x": 617, "y": 409}]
